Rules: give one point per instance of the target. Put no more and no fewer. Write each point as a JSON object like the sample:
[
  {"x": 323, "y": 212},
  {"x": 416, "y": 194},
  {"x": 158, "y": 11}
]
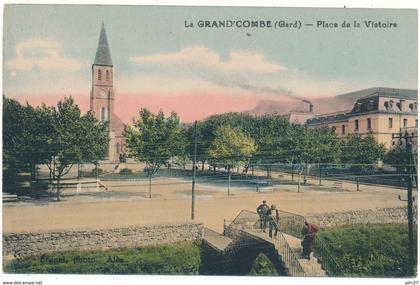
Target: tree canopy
[
  {"x": 230, "y": 147},
  {"x": 154, "y": 139},
  {"x": 362, "y": 153}
]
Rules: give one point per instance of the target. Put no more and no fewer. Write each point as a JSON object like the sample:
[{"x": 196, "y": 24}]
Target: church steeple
[
  {"x": 102, "y": 97},
  {"x": 103, "y": 56}
]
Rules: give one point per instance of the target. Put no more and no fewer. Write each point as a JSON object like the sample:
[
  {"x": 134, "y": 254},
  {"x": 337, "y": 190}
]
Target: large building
[
  {"x": 102, "y": 97},
  {"x": 381, "y": 112}
]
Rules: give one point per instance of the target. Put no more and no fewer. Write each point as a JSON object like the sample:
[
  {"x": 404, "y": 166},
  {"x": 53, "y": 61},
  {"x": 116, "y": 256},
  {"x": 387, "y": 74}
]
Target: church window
[
  {"x": 104, "y": 114},
  {"x": 118, "y": 147},
  {"x": 107, "y": 75},
  {"x": 99, "y": 74}
]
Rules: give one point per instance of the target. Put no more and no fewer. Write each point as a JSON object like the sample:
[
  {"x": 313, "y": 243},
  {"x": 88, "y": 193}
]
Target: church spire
[{"x": 103, "y": 56}]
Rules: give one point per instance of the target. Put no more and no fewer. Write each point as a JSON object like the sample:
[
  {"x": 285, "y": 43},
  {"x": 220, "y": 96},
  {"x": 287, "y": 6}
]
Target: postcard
[{"x": 212, "y": 141}]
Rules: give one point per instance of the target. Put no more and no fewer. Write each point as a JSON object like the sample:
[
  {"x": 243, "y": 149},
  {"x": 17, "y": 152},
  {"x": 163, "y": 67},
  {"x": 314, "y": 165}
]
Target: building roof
[
  {"x": 103, "y": 56},
  {"x": 391, "y": 92}
]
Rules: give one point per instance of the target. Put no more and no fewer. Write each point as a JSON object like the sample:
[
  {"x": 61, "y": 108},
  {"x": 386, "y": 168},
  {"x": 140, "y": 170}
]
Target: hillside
[{"x": 323, "y": 104}]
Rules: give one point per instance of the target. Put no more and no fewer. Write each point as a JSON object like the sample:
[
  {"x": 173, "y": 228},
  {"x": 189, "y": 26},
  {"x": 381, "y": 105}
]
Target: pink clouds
[{"x": 190, "y": 106}]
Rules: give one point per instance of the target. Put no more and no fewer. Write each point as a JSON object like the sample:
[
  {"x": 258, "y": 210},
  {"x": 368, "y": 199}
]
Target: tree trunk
[
  {"x": 150, "y": 186},
  {"x": 202, "y": 166},
  {"x": 299, "y": 182},
  {"x": 230, "y": 174},
  {"x": 214, "y": 170},
  {"x": 58, "y": 188},
  {"x": 292, "y": 172}
]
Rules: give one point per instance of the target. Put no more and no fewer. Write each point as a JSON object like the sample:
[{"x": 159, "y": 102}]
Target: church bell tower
[
  {"x": 102, "y": 98},
  {"x": 102, "y": 94}
]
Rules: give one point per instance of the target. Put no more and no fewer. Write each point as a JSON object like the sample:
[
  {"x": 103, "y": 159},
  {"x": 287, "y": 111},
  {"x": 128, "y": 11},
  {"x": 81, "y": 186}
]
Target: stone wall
[
  {"x": 27, "y": 244},
  {"x": 374, "y": 216}
]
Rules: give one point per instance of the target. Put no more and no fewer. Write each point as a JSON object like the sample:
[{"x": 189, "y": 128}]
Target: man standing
[
  {"x": 273, "y": 220},
  {"x": 262, "y": 212}
]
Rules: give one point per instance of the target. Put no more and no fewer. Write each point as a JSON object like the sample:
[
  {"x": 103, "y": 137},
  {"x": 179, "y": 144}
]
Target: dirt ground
[{"x": 128, "y": 204}]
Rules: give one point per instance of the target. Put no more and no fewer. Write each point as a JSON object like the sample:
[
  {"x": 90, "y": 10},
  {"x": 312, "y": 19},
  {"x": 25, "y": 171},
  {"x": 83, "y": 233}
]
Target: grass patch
[
  {"x": 178, "y": 258},
  {"x": 368, "y": 250}
]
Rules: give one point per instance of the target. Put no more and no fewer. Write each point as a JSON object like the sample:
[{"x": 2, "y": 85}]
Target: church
[{"x": 102, "y": 98}]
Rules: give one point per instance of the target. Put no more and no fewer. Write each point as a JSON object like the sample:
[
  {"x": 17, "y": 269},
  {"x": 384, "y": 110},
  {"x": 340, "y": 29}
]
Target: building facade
[
  {"x": 381, "y": 113},
  {"x": 102, "y": 97}
]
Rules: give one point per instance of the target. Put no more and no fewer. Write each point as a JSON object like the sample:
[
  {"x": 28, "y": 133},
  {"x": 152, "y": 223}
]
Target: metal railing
[
  {"x": 289, "y": 258},
  {"x": 326, "y": 259}
]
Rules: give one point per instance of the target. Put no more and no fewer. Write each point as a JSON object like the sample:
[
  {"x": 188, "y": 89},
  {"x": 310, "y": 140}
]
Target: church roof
[{"x": 103, "y": 56}]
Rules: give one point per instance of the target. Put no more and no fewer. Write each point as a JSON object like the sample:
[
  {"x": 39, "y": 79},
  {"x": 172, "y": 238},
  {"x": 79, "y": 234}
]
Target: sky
[{"x": 48, "y": 51}]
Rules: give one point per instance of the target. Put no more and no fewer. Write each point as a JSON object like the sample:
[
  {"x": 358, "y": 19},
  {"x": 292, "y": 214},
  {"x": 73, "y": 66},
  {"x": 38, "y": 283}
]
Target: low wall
[
  {"x": 27, "y": 244},
  {"x": 374, "y": 216}
]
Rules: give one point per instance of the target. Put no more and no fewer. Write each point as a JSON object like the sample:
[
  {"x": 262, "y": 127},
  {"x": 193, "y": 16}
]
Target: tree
[
  {"x": 230, "y": 148},
  {"x": 57, "y": 137},
  {"x": 75, "y": 139},
  {"x": 26, "y": 131},
  {"x": 154, "y": 139},
  {"x": 14, "y": 126},
  {"x": 206, "y": 131},
  {"x": 399, "y": 158},
  {"x": 362, "y": 153},
  {"x": 269, "y": 132}
]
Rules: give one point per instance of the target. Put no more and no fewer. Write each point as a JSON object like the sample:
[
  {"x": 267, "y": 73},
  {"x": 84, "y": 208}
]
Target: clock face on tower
[{"x": 103, "y": 93}]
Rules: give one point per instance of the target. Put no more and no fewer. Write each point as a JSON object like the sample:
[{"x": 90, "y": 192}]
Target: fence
[{"x": 326, "y": 259}]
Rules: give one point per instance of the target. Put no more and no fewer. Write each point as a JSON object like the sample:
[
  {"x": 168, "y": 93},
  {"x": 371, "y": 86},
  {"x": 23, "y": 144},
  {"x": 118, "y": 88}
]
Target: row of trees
[
  {"x": 55, "y": 136},
  {"x": 60, "y": 137},
  {"x": 235, "y": 139}
]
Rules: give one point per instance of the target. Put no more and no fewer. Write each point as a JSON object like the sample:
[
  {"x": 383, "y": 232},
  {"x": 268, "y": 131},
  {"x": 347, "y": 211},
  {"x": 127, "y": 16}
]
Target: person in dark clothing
[
  {"x": 273, "y": 219},
  {"x": 309, "y": 232},
  {"x": 262, "y": 212}
]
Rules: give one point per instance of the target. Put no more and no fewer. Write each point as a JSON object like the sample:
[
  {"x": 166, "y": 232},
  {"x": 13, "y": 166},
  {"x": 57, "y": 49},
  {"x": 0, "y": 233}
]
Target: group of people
[{"x": 270, "y": 215}]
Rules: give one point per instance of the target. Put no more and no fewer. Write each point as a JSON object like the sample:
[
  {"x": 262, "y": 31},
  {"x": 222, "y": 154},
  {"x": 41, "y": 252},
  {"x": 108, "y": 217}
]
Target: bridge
[{"x": 244, "y": 231}]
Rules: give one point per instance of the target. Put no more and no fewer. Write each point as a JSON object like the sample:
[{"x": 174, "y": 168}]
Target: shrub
[{"x": 263, "y": 266}]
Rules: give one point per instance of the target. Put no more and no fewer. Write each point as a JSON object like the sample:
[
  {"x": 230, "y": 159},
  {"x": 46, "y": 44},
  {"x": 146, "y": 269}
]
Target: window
[
  {"x": 107, "y": 75},
  {"x": 356, "y": 125},
  {"x": 343, "y": 129},
  {"x": 104, "y": 114},
  {"x": 118, "y": 147},
  {"x": 99, "y": 74},
  {"x": 369, "y": 123},
  {"x": 404, "y": 123},
  {"x": 390, "y": 123}
]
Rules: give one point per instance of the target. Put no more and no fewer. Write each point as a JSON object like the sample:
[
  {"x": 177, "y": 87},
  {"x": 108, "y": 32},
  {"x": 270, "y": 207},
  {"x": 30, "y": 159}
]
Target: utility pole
[
  {"x": 408, "y": 140},
  {"x": 194, "y": 172}
]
